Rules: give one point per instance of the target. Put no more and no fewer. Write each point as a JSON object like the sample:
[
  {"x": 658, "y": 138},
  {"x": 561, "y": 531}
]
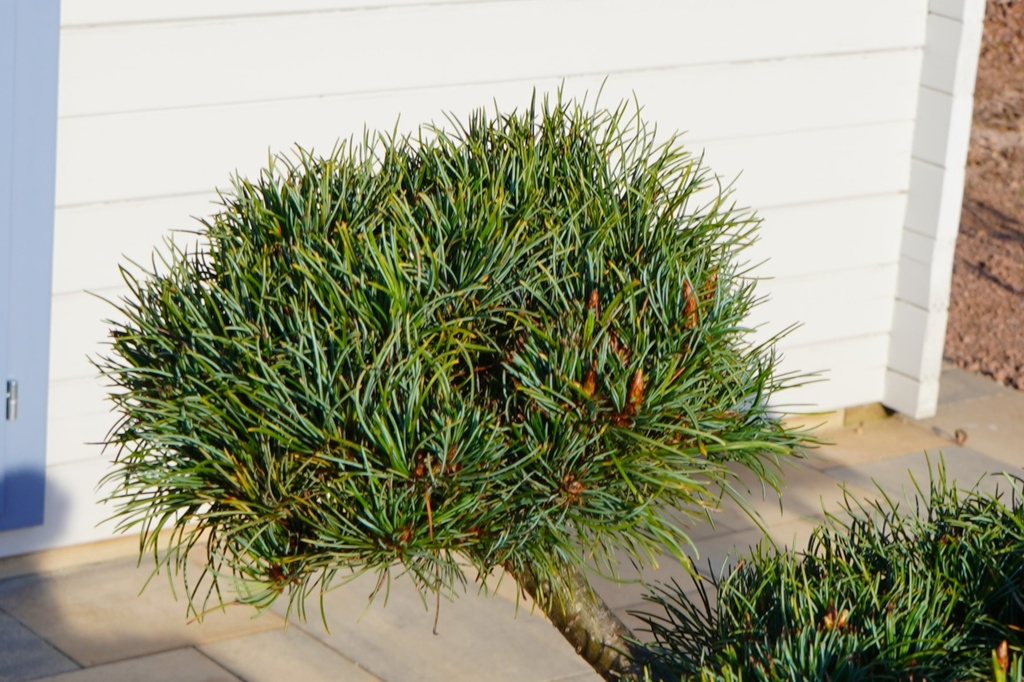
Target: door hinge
[{"x": 12, "y": 400}]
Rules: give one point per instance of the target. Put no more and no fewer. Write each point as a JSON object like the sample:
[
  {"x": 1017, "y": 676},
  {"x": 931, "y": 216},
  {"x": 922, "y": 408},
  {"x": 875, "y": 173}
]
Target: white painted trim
[{"x": 941, "y": 139}]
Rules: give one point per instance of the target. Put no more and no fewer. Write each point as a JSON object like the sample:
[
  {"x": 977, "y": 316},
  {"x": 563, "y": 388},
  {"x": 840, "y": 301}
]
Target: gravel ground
[{"x": 986, "y": 314}]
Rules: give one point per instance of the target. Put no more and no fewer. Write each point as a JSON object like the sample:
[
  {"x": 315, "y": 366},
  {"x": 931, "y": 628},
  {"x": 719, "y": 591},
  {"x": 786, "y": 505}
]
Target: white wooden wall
[{"x": 813, "y": 100}]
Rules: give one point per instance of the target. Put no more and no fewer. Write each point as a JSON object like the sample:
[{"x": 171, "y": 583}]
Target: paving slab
[
  {"x": 289, "y": 654},
  {"x": 720, "y": 553},
  {"x": 896, "y": 476},
  {"x": 993, "y": 425},
  {"x": 711, "y": 553},
  {"x": 628, "y": 590},
  {"x": 724, "y": 519},
  {"x": 479, "y": 637},
  {"x": 25, "y": 656},
  {"x": 957, "y": 385},
  {"x": 808, "y": 492},
  {"x": 96, "y": 615},
  {"x": 182, "y": 665},
  {"x": 874, "y": 441}
]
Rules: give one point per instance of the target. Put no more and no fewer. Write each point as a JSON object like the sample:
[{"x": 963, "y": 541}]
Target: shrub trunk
[{"x": 596, "y": 633}]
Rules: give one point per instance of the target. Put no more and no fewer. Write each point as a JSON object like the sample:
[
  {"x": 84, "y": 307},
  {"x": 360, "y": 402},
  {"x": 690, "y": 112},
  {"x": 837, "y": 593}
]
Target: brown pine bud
[
  {"x": 830, "y": 616},
  {"x": 710, "y": 286},
  {"x": 594, "y": 304},
  {"x": 1003, "y": 655},
  {"x": 590, "y": 382},
  {"x": 844, "y": 617},
  {"x": 690, "y": 310},
  {"x": 636, "y": 390}
]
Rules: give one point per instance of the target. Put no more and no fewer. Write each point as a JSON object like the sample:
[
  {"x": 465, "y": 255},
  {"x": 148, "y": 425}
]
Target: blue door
[
  {"x": 29, "y": 31},
  {"x": 7, "y": 62}
]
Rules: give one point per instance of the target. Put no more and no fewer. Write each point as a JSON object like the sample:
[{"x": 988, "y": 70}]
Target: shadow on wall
[{"x": 20, "y": 492}]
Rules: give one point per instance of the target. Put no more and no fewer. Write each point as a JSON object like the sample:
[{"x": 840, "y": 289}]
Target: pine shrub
[
  {"x": 511, "y": 342},
  {"x": 880, "y": 593}
]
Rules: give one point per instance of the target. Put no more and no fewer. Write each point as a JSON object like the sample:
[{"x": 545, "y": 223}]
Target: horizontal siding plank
[
  {"x": 842, "y": 386},
  {"x": 790, "y": 95},
  {"x": 870, "y": 350},
  {"x": 169, "y": 65},
  {"x": 78, "y": 333},
  {"x": 824, "y": 237},
  {"x": 80, "y": 417},
  {"x": 828, "y": 306},
  {"x": 859, "y": 379},
  {"x": 117, "y": 234},
  {"x": 88, "y": 13},
  {"x": 817, "y": 165},
  {"x": 192, "y": 151}
]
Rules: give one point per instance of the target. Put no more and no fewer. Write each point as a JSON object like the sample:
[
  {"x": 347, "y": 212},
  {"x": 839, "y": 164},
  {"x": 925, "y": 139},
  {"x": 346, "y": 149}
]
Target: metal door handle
[{"x": 12, "y": 400}]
